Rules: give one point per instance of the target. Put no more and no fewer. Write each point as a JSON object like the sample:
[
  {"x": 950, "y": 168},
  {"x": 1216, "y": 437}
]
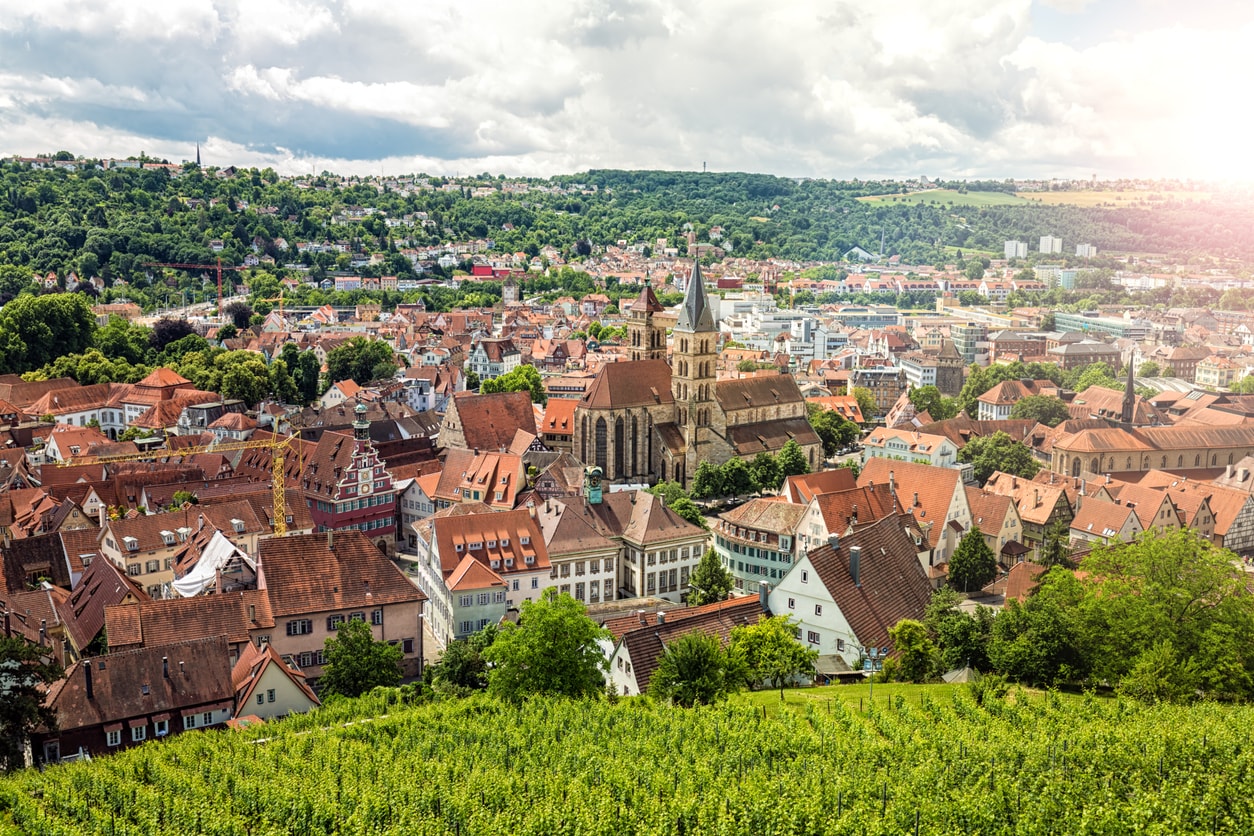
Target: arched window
[
  {"x": 1197, "y": 460},
  {"x": 1075, "y": 467},
  {"x": 1129, "y": 463},
  {"x": 1214, "y": 459},
  {"x": 620, "y": 447},
  {"x": 1164, "y": 461},
  {"x": 602, "y": 443},
  {"x": 635, "y": 446},
  {"x": 1179, "y": 461},
  {"x": 583, "y": 439},
  {"x": 1096, "y": 466},
  {"x": 1229, "y": 458}
]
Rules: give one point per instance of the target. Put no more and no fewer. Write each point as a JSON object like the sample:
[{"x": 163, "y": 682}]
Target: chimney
[
  {"x": 764, "y": 595},
  {"x": 1228, "y": 472},
  {"x": 855, "y": 512},
  {"x": 916, "y": 500},
  {"x": 330, "y": 539},
  {"x": 1036, "y": 497},
  {"x": 182, "y": 669},
  {"x": 892, "y": 482},
  {"x": 833, "y": 540},
  {"x": 200, "y": 521},
  {"x": 1107, "y": 478},
  {"x": 43, "y": 631},
  {"x": 165, "y": 667},
  {"x": 91, "y": 692},
  {"x": 661, "y": 617},
  {"x": 643, "y": 621},
  {"x": 1014, "y": 483},
  {"x": 855, "y": 564}
]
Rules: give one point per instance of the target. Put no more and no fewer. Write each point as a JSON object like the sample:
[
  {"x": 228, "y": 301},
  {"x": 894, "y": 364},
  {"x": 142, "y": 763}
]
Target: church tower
[
  {"x": 949, "y": 370},
  {"x": 646, "y": 338},
  {"x": 1128, "y": 413},
  {"x": 693, "y": 374}
]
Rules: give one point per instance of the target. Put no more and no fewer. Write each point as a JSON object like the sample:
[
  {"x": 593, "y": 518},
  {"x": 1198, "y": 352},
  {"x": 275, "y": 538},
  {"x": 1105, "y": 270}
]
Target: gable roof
[
  {"x": 856, "y": 506},
  {"x": 646, "y": 644},
  {"x": 307, "y": 573},
  {"x": 807, "y": 486},
  {"x": 102, "y": 585},
  {"x": 891, "y": 584},
  {"x": 629, "y": 383},
  {"x": 490, "y": 422},
  {"x": 934, "y": 487}
]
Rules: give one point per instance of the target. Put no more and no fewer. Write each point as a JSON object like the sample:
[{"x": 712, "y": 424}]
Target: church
[{"x": 646, "y": 420}]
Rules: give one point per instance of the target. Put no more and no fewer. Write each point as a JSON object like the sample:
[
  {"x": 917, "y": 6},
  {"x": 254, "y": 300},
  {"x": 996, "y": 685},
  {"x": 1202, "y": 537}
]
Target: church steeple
[
  {"x": 695, "y": 317},
  {"x": 1129, "y": 399}
]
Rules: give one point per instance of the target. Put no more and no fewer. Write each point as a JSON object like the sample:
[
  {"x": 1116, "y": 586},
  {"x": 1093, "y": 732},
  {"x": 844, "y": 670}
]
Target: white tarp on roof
[{"x": 218, "y": 554}]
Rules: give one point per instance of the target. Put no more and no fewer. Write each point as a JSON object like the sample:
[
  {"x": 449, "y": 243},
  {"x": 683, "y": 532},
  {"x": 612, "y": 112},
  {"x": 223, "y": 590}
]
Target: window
[
  {"x": 206, "y": 719},
  {"x": 376, "y": 618},
  {"x": 357, "y": 616},
  {"x": 139, "y": 733},
  {"x": 270, "y": 695},
  {"x": 261, "y": 699},
  {"x": 792, "y": 603},
  {"x": 161, "y": 728},
  {"x": 514, "y": 585},
  {"x": 407, "y": 645},
  {"x": 334, "y": 622},
  {"x": 840, "y": 644},
  {"x": 535, "y": 583},
  {"x": 467, "y": 600},
  {"x": 299, "y": 627},
  {"x": 818, "y": 609},
  {"x": 113, "y": 738},
  {"x": 134, "y": 569},
  {"x": 483, "y": 598},
  {"x": 805, "y": 576},
  {"x": 812, "y": 637},
  {"x": 189, "y": 722}
]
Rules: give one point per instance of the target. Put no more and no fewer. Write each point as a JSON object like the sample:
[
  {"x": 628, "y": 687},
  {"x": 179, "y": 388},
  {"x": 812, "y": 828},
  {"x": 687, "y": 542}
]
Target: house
[
  {"x": 910, "y": 446},
  {"x": 806, "y": 487},
  {"x": 308, "y": 585},
  {"x": 934, "y": 497},
  {"x": 557, "y": 428},
  {"x": 268, "y": 687},
  {"x": 486, "y": 422},
  {"x": 997, "y": 403},
  {"x": 475, "y": 566},
  {"x": 339, "y": 392},
  {"x": 637, "y": 650},
  {"x": 583, "y": 557},
  {"x": 1104, "y": 522},
  {"x": 847, "y": 593},
  {"x": 757, "y": 542},
  {"x": 840, "y": 512},
  {"x": 492, "y": 358},
  {"x": 127, "y": 697},
  {"x": 997, "y": 518},
  {"x": 102, "y": 585},
  {"x": 416, "y": 499},
  {"x": 1040, "y": 504},
  {"x": 494, "y": 479}
]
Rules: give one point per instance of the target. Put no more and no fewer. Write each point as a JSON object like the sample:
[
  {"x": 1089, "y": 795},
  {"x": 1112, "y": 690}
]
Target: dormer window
[
  {"x": 132, "y": 545},
  {"x": 74, "y": 448},
  {"x": 505, "y": 543},
  {"x": 458, "y": 547},
  {"x": 238, "y": 525},
  {"x": 167, "y": 537},
  {"x": 491, "y": 544},
  {"x": 475, "y": 546},
  {"x": 525, "y": 540}
]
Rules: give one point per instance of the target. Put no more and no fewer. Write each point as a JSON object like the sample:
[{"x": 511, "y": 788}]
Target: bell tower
[
  {"x": 693, "y": 368},
  {"x": 646, "y": 338}
]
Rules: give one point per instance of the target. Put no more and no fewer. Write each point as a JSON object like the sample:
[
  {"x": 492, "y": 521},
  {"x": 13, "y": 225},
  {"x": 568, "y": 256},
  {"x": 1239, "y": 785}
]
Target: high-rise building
[
  {"x": 1016, "y": 249},
  {"x": 1051, "y": 244},
  {"x": 1086, "y": 251}
]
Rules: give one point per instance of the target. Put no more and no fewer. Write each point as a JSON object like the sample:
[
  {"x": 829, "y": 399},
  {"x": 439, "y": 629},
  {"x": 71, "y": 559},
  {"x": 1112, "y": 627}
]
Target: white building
[
  {"x": 1050, "y": 244},
  {"x": 1016, "y": 249},
  {"x": 1086, "y": 251}
]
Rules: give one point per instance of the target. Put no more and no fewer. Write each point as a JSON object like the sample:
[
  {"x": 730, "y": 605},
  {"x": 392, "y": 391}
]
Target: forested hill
[{"x": 109, "y": 222}]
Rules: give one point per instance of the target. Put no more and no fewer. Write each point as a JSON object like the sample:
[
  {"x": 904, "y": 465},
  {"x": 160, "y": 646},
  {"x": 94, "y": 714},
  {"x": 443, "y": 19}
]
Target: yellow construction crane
[{"x": 278, "y": 448}]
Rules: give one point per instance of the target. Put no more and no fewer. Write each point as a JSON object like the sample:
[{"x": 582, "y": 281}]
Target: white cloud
[{"x": 844, "y": 88}]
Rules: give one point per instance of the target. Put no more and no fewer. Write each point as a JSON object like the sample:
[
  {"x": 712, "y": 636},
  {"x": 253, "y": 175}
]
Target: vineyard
[{"x": 920, "y": 764}]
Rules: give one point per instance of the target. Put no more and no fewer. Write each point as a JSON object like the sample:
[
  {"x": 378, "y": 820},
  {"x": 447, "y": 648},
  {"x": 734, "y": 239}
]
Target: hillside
[{"x": 933, "y": 760}]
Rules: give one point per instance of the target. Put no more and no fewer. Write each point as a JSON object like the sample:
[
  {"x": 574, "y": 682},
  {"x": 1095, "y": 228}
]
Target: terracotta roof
[
  {"x": 805, "y": 487},
  {"x": 1103, "y": 519},
  {"x": 303, "y": 574},
  {"x": 253, "y": 662},
  {"x": 629, "y": 383},
  {"x": 133, "y": 684},
  {"x": 753, "y": 392},
  {"x": 988, "y": 510},
  {"x": 1156, "y": 438},
  {"x": 891, "y": 586},
  {"x": 641, "y": 518},
  {"x": 162, "y": 377},
  {"x": 1035, "y": 501},
  {"x": 559, "y": 416},
  {"x": 771, "y": 436},
  {"x": 486, "y": 473},
  {"x": 169, "y": 620},
  {"x": 935, "y": 488},
  {"x": 568, "y": 531},
  {"x": 489, "y": 422},
  {"x": 767, "y": 514},
  {"x": 102, "y": 585},
  {"x": 40, "y": 556},
  {"x": 856, "y": 506},
  {"x": 471, "y": 574},
  {"x": 646, "y": 645},
  {"x": 491, "y": 538}
]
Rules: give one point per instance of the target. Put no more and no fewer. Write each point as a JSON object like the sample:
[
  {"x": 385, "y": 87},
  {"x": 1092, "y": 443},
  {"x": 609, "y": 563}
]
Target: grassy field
[
  {"x": 947, "y": 196},
  {"x": 1112, "y": 199}
]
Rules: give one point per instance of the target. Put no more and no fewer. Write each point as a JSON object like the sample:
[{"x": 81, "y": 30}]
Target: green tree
[
  {"x": 521, "y": 379},
  {"x": 791, "y": 461},
  {"x": 1149, "y": 369},
  {"x": 962, "y": 638},
  {"x": 1056, "y": 546},
  {"x": 765, "y": 472},
  {"x": 736, "y": 478},
  {"x": 866, "y": 403},
  {"x": 472, "y": 382},
  {"x": 670, "y": 492},
  {"x": 771, "y": 653},
  {"x": 1094, "y": 374},
  {"x": 998, "y": 451},
  {"x": 1246, "y": 386},
  {"x": 1041, "y": 641},
  {"x": 832, "y": 428},
  {"x": 709, "y": 582},
  {"x": 688, "y": 509},
  {"x": 182, "y": 498},
  {"x": 1044, "y": 409},
  {"x": 356, "y": 662},
  {"x": 707, "y": 482},
  {"x": 462, "y": 668},
  {"x": 26, "y": 671},
  {"x": 552, "y": 651},
  {"x": 695, "y": 670},
  {"x": 360, "y": 360},
  {"x": 973, "y": 564},
  {"x": 917, "y": 655},
  {"x": 35, "y": 330},
  {"x": 930, "y": 400},
  {"x": 121, "y": 340}
]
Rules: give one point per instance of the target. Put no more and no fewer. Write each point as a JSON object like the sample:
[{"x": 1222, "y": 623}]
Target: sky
[{"x": 824, "y": 88}]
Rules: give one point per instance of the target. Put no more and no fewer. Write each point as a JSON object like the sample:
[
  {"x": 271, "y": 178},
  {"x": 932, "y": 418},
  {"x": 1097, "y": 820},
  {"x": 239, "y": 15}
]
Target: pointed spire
[
  {"x": 1129, "y": 398},
  {"x": 197, "y": 155},
  {"x": 695, "y": 316}
]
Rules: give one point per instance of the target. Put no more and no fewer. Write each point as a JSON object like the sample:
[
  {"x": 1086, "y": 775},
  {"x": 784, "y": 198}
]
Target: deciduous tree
[
  {"x": 26, "y": 671},
  {"x": 709, "y": 582},
  {"x": 1044, "y": 409},
  {"x": 552, "y": 651},
  {"x": 695, "y": 669},
  {"x": 998, "y": 452},
  {"x": 356, "y": 662},
  {"x": 973, "y": 564}
]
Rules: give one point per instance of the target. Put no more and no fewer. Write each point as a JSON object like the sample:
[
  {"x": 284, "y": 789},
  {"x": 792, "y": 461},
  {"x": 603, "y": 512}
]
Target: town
[{"x": 185, "y": 546}]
